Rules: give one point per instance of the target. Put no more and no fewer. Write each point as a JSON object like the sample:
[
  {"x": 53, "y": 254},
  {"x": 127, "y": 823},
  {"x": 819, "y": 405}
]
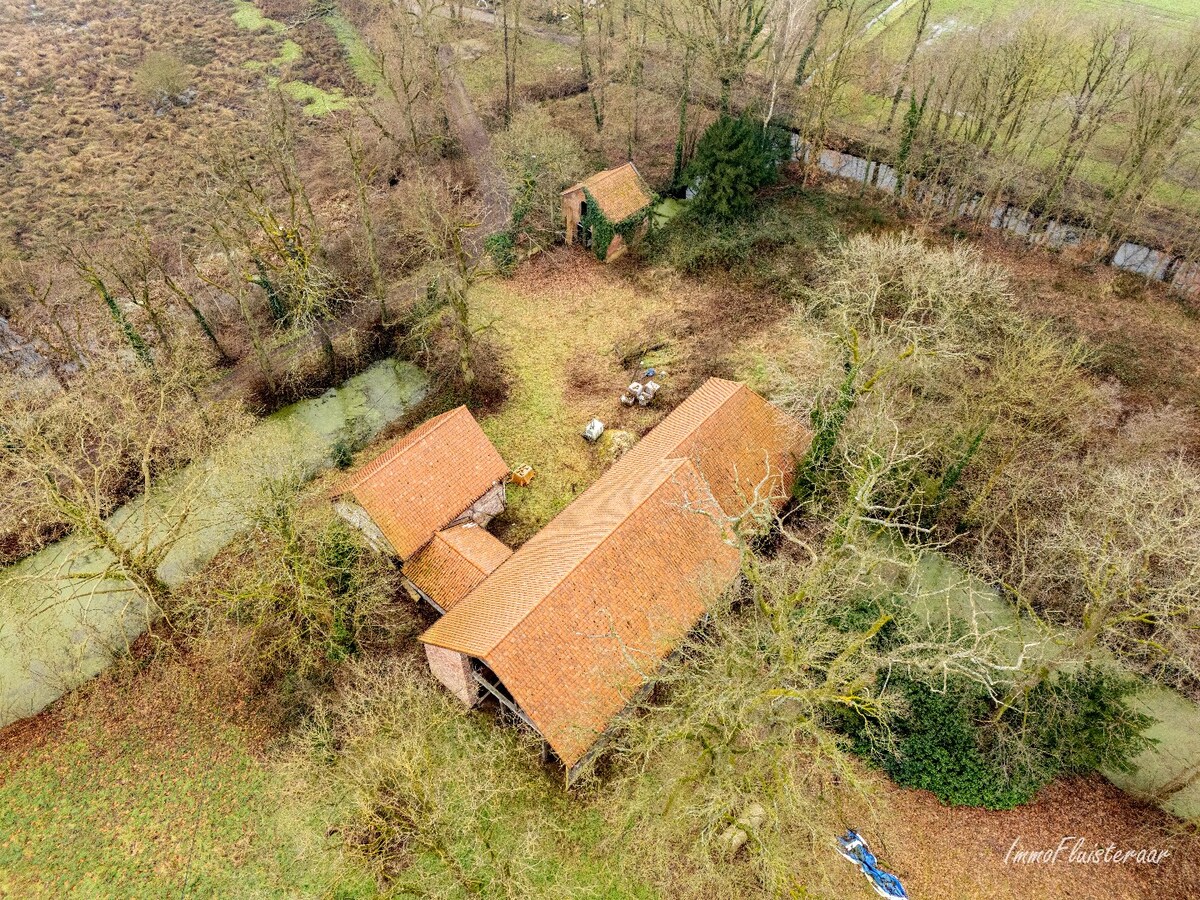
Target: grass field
[
  {"x": 480, "y": 53},
  {"x": 564, "y": 324},
  {"x": 81, "y": 150},
  {"x": 154, "y": 783},
  {"x": 978, "y": 11}
]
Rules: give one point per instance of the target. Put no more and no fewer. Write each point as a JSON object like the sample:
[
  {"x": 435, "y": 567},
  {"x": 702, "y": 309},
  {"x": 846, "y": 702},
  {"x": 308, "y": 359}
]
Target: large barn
[{"x": 564, "y": 631}]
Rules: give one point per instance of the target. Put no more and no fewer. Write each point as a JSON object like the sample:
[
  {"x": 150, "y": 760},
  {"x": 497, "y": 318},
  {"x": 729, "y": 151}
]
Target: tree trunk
[
  {"x": 912, "y": 54},
  {"x": 681, "y": 137}
]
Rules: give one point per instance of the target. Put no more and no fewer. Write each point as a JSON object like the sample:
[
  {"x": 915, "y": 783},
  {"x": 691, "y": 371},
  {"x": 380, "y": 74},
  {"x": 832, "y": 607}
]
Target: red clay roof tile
[
  {"x": 426, "y": 479},
  {"x": 455, "y": 562},
  {"x": 576, "y": 620},
  {"x": 620, "y": 192}
]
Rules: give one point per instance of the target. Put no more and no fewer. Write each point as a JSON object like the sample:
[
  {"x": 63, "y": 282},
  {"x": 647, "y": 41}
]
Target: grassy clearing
[
  {"x": 315, "y": 101},
  {"x": 557, "y": 323},
  {"x": 481, "y": 63},
  {"x": 151, "y": 784},
  {"x": 247, "y": 15}
]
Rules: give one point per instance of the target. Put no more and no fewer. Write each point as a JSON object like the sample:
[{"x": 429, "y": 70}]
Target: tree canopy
[{"x": 735, "y": 157}]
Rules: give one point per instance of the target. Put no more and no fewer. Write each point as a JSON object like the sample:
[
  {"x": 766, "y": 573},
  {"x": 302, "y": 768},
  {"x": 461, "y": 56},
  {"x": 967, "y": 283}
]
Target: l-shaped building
[{"x": 567, "y": 629}]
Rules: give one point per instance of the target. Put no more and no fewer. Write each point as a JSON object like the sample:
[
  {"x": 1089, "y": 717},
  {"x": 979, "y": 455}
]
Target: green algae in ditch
[{"x": 62, "y": 621}]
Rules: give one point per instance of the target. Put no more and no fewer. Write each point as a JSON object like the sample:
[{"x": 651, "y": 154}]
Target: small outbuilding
[
  {"x": 607, "y": 211},
  {"x": 442, "y": 473}
]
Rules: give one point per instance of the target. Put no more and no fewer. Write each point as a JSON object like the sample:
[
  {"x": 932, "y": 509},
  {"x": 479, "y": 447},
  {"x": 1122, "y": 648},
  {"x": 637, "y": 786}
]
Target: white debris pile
[{"x": 639, "y": 393}]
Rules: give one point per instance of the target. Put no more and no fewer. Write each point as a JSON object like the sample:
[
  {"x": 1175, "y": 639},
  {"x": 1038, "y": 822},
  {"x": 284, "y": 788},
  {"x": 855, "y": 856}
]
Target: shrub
[
  {"x": 502, "y": 247},
  {"x": 937, "y": 748},
  {"x": 438, "y": 802},
  {"x": 734, "y": 158},
  {"x": 163, "y": 79},
  {"x": 293, "y": 600},
  {"x": 949, "y": 743},
  {"x": 351, "y": 438},
  {"x": 538, "y": 159},
  {"x": 774, "y": 239},
  {"x": 1085, "y": 722}
]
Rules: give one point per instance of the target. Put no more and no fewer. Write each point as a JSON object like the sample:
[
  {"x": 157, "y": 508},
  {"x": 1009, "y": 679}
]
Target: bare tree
[
  {"x": 509, "y": 22},
  {"x": 1121, "y": 566},
  {"x": 408, "y": 64},
  {"x": 832, "y": 72},
  {"x": 821, "y": 12},
  {"x": 442, "y": 217},
  {"x": 728, "y": 35},
  {"x": 1165, "y": 103},
  {"x": 785, "y": 24},
  {"x": 1100, "y": 79},
  {"x": 595, "y": 52},
  {"x": 906, "y": 69},
  {"x": 75, "y": 455},
  {"x": 362, "y": 180}
]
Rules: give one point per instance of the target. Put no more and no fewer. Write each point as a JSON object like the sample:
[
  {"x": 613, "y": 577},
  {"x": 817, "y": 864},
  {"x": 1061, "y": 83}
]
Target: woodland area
[{"x": 215, "y": 213}]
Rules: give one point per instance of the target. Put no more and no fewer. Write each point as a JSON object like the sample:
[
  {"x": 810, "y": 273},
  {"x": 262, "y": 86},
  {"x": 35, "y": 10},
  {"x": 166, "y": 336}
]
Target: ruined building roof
[
  {"x": 425, "y": 480},
  {"x": 620, "y": 192},
  {"x": 579, "y": 617}
]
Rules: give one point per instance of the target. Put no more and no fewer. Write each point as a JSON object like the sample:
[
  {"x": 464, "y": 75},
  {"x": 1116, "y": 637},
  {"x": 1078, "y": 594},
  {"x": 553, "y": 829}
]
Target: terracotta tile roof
[
  {"x": 455, "y": 562},
  {"x": 620, "y": 191},
  {"x": 576, "y": 620},
  {"x": 426, "y": 479}
]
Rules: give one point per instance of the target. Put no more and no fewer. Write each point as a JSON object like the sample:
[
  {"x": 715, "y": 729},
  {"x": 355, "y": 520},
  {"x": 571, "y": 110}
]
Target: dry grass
[
  {"x": 81, "y": 147},
  {"x": 1144, "y": 338}
]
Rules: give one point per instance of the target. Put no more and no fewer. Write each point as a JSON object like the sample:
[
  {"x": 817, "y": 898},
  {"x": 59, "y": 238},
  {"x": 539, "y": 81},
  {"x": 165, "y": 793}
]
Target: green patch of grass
[
  {"x": 537, "y": 425},
  {"x": 162, "y": 798},
  {"x": 666, "y": 210},
  {"x": 316, "y": 101},
  {"x": 538, "y": 60},
  {"x": 290, "y": 52},
  {"x": 358, "y": 54},
  {"x": 247, "y": 15}
]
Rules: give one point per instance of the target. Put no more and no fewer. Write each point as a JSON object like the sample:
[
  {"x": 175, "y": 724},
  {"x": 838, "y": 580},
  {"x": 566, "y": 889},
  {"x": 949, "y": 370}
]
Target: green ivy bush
[
  {"x": 603, "y": 230},
  {"x": 776, "y": 237},
  {"x": 502, "y": 247},
  {"x": 949, "y": 743}
]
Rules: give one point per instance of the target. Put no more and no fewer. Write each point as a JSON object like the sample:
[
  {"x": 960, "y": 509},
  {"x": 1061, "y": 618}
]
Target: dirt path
[
  {"x": 469, "y": 129},
  {"x": 487, "y": 17}
]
